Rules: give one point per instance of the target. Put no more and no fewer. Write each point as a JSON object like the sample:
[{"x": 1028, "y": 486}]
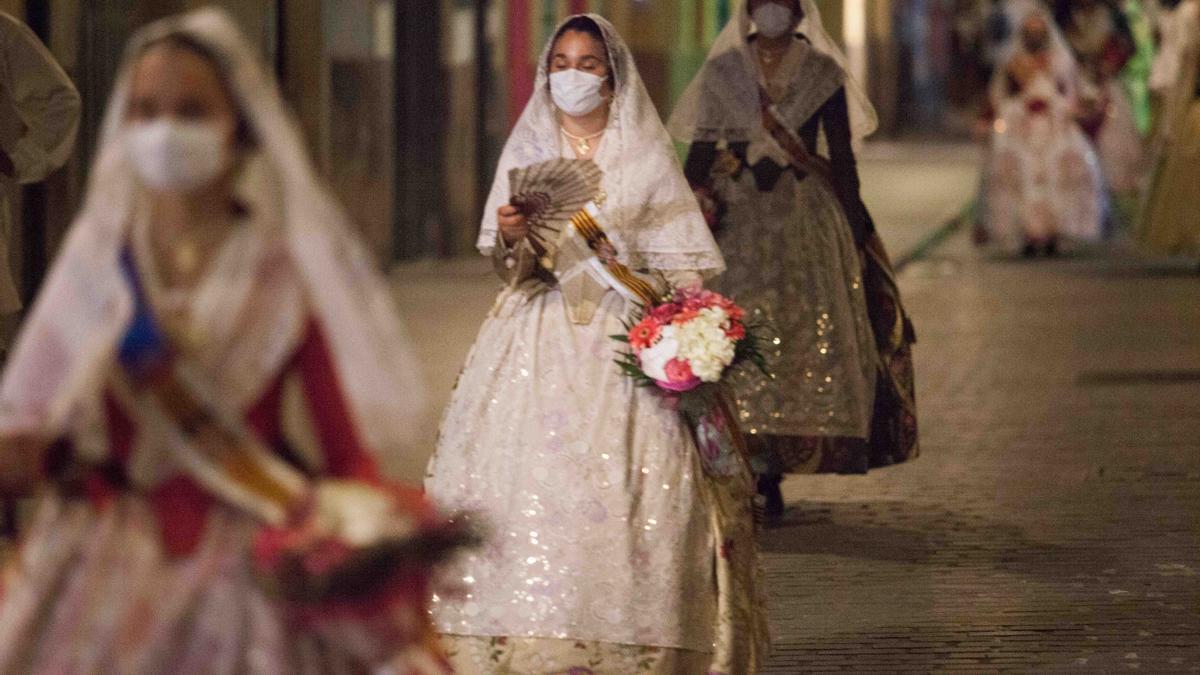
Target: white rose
[
  {"x": 707, "y": 370},
  {"x": 704, "y": 344}
]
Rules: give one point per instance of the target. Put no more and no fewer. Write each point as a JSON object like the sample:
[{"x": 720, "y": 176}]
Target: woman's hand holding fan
[
  {"x": 545, "y": 196},
  {"x": 513, "y": 224}
]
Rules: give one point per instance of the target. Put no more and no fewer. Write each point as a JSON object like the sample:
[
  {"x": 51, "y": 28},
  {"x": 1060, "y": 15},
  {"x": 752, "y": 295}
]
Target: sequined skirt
[
  {"x": 470, "y": 655},
  {"x": 590, "y": 487},
  {"x": 792, "y": 262},
  {"x": 741, "y": 639},
  {"x": 893, "y": 438}
]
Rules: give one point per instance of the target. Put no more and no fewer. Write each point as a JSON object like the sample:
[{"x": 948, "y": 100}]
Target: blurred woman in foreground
[{"x": 213, "y": 360}]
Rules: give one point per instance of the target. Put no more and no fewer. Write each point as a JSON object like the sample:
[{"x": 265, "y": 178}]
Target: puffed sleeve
[
  {"x": 699, "y": 163},
  {"x": 46, "y": 102}
]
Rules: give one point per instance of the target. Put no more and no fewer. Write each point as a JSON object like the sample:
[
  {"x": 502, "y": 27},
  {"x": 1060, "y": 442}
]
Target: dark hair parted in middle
[
  {"x": 584, "y": 24},
  {"x": 243, "y": 135}
]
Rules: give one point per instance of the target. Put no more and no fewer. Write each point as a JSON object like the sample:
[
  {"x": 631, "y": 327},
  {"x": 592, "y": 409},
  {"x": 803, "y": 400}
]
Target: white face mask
[
  {"x": 174, "y": 156},
  {"x": 575, "y": 92},
  {"x": 773, "y": 20}
]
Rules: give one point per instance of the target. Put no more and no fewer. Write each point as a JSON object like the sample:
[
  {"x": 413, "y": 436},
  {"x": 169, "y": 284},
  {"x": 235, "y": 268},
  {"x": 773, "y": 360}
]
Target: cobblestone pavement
[
  {"x": 1051, "y": 524},
  {"x": 912, "y": 189}
]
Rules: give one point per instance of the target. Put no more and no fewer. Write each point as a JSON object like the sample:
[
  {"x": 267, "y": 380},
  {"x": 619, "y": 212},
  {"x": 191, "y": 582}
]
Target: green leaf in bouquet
[{"x": 630, "y": 369}]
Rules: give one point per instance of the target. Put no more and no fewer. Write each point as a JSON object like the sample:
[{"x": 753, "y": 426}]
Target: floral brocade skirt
[
  {"x": 741, "y": 640},
  {"x": 91, "y": 591},
  {"x": 841, "y": 396},
  {"x": 1044, "y": 181},
  {"x": 893, "y": 436},
  {"x": 474, "y": 655}
]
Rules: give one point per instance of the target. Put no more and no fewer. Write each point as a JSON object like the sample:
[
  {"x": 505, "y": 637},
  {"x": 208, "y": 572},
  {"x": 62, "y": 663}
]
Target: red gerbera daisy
[{"x": 644, "y": 334}]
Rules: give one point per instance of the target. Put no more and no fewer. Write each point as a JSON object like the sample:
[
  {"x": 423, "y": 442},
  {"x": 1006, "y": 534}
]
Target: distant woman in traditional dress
[
  {"x": 1043, "y": 179},
  {"x": 801, "y": 247},
  {"x": 207, "y": 258},
  {"x": 1098, "y": 33},
  {"x": 612, "y": 551},
  {"x": 1170, "y": 221}
]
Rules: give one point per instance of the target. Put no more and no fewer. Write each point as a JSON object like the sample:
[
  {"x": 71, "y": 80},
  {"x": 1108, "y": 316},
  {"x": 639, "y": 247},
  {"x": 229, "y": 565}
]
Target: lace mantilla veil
[
  {"x": 650, "y": 213},
  {"x": 67, "y": 348},
  {"x": 721, "y": 103}
]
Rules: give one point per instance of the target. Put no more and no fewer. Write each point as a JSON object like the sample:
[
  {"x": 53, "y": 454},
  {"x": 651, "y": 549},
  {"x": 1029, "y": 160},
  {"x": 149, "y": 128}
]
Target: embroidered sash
[
  {"x": 790, "y": 141},
  {"x": 208, "y": 441},
  {"x": 624, "y": 280}
]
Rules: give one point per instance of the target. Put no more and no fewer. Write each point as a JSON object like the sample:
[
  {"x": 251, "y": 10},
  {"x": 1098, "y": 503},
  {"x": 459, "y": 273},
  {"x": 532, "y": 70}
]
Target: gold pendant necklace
[
  {"x": 186, "y": 257},
  {"x": 768, "y": 57},
  {"x": 583, "y": 144}
]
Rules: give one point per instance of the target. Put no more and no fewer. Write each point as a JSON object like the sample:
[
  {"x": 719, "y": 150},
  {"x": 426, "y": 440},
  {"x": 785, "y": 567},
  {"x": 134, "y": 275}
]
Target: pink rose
[
  {"x": 679, "y": 370},
  {"x": 679, "y": 376},
  {"x": 699, "y": 298}
]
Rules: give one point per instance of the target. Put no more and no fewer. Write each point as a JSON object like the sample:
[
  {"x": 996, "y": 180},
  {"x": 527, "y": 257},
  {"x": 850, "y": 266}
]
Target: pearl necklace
[{"x": 583, "y": 144}]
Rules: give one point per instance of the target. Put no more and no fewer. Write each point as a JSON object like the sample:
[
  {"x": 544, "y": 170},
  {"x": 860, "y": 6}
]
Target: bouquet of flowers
[
  {"x": 690, "y": 340},
  {"x": 685, "y": 346},
  {"x": 354, "y": 549},
  {"x": 355, "y": 562}
]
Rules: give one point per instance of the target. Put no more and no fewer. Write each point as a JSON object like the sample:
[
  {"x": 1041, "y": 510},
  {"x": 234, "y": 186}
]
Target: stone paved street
[
  {"x": 911, "y": 190},
  {"x": 1052, "y": 523}
]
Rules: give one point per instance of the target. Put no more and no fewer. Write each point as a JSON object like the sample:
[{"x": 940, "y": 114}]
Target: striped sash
[{"x": 588, "y": 227}]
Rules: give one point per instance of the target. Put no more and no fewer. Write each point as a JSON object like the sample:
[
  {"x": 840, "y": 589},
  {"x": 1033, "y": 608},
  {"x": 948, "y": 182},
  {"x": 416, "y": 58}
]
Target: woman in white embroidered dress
[
  {"x": 206, "y": 242},
  {"x": 1043, "y": 178},
  {"x": 603, "y": 550}
]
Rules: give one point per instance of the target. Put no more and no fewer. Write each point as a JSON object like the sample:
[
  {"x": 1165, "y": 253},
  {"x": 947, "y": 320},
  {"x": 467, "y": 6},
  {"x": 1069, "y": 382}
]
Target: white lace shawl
[
  {"x": 652, "y": 216},
  {"x": 721, "y": 102},
  {"x": 302, "y": 262}
]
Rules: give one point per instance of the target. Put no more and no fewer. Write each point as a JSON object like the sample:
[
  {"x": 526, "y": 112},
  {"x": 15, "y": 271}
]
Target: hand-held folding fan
[{"x": 549, "y": 193}]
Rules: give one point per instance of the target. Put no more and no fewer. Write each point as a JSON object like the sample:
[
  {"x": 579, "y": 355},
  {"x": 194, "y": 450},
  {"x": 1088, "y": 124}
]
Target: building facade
[{"x": 406, "y": 103}]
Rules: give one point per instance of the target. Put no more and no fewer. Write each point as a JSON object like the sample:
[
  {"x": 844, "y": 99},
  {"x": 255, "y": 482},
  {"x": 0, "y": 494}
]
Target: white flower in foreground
[
  {"x": 358, "y": 513},
  {"x": 655, "y": 357},
  {"x": 704, "y": 344}
]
